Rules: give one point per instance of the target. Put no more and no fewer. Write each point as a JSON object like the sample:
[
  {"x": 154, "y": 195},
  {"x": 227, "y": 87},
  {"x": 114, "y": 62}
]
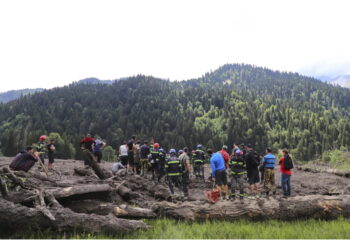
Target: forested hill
[
  {"x": 15, "y": 94},
  {"x": 236, "y": 103}
]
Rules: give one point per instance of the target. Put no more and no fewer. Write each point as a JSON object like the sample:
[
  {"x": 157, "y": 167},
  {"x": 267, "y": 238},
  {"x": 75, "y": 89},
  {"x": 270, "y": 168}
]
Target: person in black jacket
[
  {"x": 252, "y": 163},
  {"x": 24, "y": 160}
]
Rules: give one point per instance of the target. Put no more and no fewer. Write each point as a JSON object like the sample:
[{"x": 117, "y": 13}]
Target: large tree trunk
[
  {"x": 311, "y": 206},
  {"x": 21, "y": 218},
  {"x": 95, "y": 166}
]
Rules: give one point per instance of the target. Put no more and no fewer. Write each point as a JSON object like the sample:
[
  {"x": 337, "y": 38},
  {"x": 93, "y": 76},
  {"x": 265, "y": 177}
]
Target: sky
[{"x": 53, "y": 43}]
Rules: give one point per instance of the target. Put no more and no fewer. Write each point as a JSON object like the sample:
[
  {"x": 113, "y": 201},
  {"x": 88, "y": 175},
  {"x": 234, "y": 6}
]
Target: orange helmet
[{"x": 156, "y": 145}]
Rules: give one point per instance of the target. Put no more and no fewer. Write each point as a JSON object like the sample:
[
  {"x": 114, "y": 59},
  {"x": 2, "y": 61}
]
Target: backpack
[{"x": 288, "y": 163}]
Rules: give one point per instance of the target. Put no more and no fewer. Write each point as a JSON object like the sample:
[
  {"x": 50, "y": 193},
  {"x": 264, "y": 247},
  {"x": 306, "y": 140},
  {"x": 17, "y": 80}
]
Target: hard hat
[
  {"x": 224, "y": 147},
  {"x": 42, "y": 138},
  {"x": 172, "y": 151},
  {"x": 199, "y": 146},
  {"x": 181, "y": 151},
  {"x": 156, "y": 145}
]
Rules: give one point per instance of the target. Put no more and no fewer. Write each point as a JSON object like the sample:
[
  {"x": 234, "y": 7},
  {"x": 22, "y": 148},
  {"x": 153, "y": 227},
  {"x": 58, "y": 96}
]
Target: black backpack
[{"x": 288, "y": 163}]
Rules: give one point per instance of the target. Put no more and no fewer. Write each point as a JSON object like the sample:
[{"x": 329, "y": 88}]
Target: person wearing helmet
[
  {"x": 238, "y": 172},
  {"x": 173, "y": 171},
  {"x": 155, "y": 155},
  {"x": 180, "y": 152},
  {"x": 198, "y": 160},
  {"x": 40, "y": 148}
]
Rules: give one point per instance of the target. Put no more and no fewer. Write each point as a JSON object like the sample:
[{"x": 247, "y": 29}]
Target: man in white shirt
[{"x": 123, "y": 154}]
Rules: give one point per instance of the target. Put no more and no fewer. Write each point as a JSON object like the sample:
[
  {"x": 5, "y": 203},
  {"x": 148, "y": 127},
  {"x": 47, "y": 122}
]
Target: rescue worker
[
  {"x": 198, "y": 160},
  {"x": 238, "y": 172},
  {"x": 40, "y": 148},
  {"x": 173, "y": 171},
  {"x": 155, "y": 160}
]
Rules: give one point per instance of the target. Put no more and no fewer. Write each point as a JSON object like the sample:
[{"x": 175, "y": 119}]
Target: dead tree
[{"x": 300, "y": 207}]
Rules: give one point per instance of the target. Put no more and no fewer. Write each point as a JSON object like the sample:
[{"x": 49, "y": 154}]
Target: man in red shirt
[
  {"x": 224, "y": 154},
  {"x": 87, "y": 143},
  {"x": 286, "y": 174}
]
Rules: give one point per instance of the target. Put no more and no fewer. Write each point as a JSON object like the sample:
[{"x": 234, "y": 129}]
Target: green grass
[{"x": 271, "y": 229}]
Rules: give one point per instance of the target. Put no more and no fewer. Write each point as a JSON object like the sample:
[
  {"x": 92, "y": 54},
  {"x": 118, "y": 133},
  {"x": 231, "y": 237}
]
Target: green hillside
[
  {"x": 236, "y": 103},
  {"x": 15, "y": 94}
]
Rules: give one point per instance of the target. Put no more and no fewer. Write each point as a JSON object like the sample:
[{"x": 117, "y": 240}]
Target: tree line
[{"x": 235, "y": 103}]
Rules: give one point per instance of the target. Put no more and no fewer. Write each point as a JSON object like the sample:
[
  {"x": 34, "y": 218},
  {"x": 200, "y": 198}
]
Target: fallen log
[
  {"x": 17, "y": 218},
  {"x": 79, "y": 189},
  {"x": 103, "y": 208},
  {"x": 83, "y": 171},
  {"x": 95, "y": 166},
  {"x": 300, "y": 207},
  {"x": 314, "y": 169}
]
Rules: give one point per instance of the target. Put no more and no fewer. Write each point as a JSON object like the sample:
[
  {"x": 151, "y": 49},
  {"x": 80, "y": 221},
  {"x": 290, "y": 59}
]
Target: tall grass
[{"x": 242, "y": 229}]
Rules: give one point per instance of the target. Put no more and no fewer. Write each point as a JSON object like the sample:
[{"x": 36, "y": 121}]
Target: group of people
[
  {"x": 151, "y": 158},
  {"x": 94, "y": 146},
  {"x": 245, "y": 164},
  {"x": 241, "y": 165},
  {"x": 25, "y": 160}
]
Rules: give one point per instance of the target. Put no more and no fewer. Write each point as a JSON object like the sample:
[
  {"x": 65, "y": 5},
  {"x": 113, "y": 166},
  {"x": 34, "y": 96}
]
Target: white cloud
[{"x": 50, "y": 43}]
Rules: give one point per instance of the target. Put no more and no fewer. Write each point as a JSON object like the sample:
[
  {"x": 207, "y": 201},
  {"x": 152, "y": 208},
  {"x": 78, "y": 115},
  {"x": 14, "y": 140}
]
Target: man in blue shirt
[
  {"x": 218, "y": 172},
  {"x": 269, "y": 174}
]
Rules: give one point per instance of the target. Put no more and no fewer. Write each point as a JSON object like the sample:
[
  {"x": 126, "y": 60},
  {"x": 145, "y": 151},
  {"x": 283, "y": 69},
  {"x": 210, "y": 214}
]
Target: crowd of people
[
  {"x": 236, "y": 168},
  {"x": 232, "y": 168}
]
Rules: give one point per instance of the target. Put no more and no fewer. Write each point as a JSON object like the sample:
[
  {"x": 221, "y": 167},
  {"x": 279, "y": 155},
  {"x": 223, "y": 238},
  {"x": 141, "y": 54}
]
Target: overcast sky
[{"x": 52, "y": 43}]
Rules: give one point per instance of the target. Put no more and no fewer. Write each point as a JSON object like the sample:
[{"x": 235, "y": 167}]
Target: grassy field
[{"x": 172, "y": 229}]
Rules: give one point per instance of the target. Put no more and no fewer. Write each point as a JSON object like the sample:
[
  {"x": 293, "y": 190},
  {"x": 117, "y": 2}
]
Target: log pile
[{"x": 93, "y": 200}]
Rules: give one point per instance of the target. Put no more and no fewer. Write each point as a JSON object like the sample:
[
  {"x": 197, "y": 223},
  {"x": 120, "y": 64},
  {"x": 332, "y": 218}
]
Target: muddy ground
[{"x": 303, "y": 183}]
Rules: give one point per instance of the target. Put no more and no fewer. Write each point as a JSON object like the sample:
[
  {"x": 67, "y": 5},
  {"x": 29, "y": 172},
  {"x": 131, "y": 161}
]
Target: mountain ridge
[{"x": 235, "y": 103}]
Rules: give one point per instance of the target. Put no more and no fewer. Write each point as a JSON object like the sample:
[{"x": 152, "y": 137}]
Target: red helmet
[
  {"x": 42, "y": 138},
  {"x": 156, "y": 145}
]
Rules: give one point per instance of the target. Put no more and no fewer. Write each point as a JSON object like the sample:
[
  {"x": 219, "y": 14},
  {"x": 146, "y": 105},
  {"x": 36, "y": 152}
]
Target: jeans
[{"x": 286, "y": 184}]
